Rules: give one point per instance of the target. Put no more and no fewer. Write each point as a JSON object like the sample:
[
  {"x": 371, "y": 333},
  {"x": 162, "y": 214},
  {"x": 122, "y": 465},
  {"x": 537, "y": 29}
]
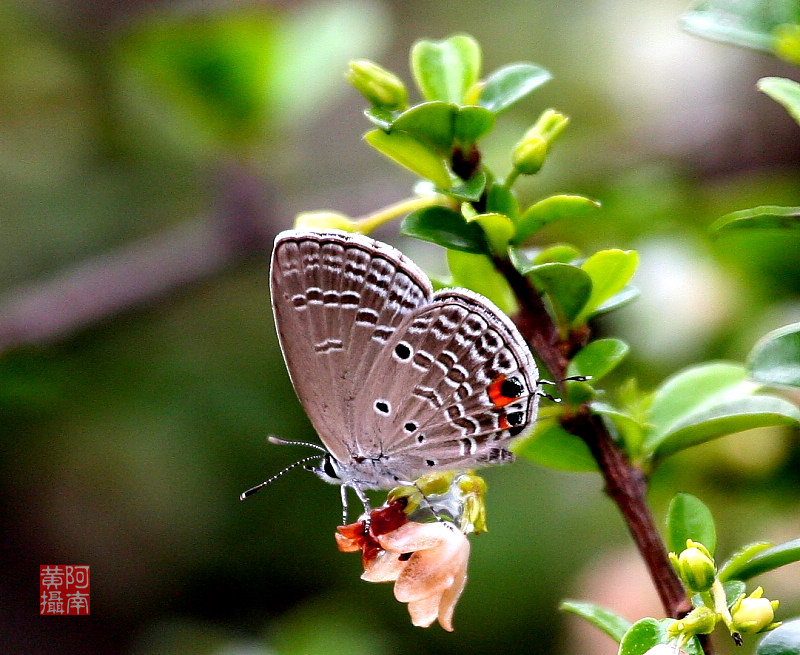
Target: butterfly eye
[{"x": 329, "y": 468}]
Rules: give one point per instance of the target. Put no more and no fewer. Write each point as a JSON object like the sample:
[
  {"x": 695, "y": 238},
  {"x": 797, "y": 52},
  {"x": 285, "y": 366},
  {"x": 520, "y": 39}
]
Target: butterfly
[{"x": 397, "y": 380}]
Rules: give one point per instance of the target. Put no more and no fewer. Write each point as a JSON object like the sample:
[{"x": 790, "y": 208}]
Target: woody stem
[{"x": 625, "y": 483}]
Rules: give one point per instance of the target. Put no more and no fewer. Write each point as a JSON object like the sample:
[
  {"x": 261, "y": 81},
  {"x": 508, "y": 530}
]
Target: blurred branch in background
[{"x": 98, "y": 288}]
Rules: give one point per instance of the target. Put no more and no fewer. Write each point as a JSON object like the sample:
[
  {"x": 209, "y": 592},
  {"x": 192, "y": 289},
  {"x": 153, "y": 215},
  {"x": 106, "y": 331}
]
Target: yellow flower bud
[
  {"x": 753, "y": 613},
  {"x": 530, "y": 152},
  {"x": 381, "y": 87},
  {"x": 695, "y": 566},
  {"x": 324, "y": 220}
]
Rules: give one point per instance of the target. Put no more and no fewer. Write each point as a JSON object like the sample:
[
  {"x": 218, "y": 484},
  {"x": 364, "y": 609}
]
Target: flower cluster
[{"x": 426, "y": 561}]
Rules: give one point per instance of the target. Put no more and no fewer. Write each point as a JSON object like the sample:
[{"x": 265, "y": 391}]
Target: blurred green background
[{"x": 149, "y": 151}]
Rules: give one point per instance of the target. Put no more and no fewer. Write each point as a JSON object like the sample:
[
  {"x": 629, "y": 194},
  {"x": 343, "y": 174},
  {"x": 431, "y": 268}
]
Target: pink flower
[{"x": 428, "y": 564}]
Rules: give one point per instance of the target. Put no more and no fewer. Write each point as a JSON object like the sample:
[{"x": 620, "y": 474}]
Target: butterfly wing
[
  {"x": 337, "y": 299},
  {"x": 452, "y": 386}
]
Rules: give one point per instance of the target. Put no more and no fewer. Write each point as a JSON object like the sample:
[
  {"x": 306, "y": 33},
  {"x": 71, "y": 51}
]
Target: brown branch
[{"x": 625, "y": 484}]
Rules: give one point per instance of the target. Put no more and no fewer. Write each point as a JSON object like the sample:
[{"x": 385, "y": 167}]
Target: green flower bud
[
  {"x": 695, "y": 566},
  {"x": 325, "y": 219},
  {"x": 753, "y": 613},
  {"x": 530, "y": 152},
  {"x": 473, "y": 491},
  {"x": 381, "y": 87}
]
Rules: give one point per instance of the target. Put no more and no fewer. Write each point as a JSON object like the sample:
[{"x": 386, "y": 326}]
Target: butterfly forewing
[{"x": 337, "y": 299}]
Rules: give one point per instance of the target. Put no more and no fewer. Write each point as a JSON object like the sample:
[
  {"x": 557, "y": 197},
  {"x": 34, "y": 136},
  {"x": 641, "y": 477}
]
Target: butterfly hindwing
[{"x": 435, "y": 397}]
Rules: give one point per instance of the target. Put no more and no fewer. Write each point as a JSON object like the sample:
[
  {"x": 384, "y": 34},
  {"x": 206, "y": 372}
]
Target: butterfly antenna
[
  {"x": 279, "y": 474},
  {"x": 284, "y": 442},
  {"x": 571, "y": 378}
]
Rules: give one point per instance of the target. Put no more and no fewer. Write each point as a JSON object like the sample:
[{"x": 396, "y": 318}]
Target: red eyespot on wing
[{"x": 503, "y": 391}]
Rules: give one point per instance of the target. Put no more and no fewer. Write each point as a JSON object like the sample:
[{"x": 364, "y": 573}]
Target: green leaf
[
  {"x": 471, "y": 123},
  {"x": 477, "y": 272},
  {"x": 551, "y": 209},
  {"x": 627, "y": 295},
  {"x": 568, "y": 289},
  {"x": 444, "y": 227},
  {"x": 598, "y": 359},
  {"x": 783, "y": 640},
  {"x": 623, "y": 426},
  {"x": 498, "y": 229},
  {"x": 501, "y": 200},
  {"x": 694, "y": 390},
  {"x": 609, "y": 622},
  {"x": 646, "y": 633},
  {"x": 786, "y": 92},
  {"x": 728, "y": 418},
  {"x": 511, "y": 83},
  {"x": 429, "y": 122},
  {"x": 552, "y": 446},
  {"x": 412, "y": 154},
  {"x": 786, "y": 43},
  {"x": 763, "y": 560},
  {"x": 381, "y": 117},
  {"x": 740, "y": 558},
  {"x": 610, "y": 271},
  {"x": 445, "y": 70},
  {"x": 746, "y": 23},
  {"x": 559, "y": 253},
  {"x": 766, "y": 217},
  {"x": 471, "y": 190},
  {"x": 775, "y": 359},
  {"x": 689, "y": 518}
]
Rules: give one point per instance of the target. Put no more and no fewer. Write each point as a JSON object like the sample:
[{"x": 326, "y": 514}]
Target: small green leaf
[
  {"x": 501, "y": 200},
  {"x": 471, "y": 190},
  {"x": 477, "y": 272},
  {"x": 562, "y": 253},
  {"x": 598, "y": 359},
  {"x": 498, "y": 229},
  {"x": 763, "y": 560},
  {"x": 767, "y": 217},
  {"x": 646, "y": 633},
  {"x": 783, "y": 640},
  {"x": 568, "y": 289},
  {"x": 609, "y": 622},
  {"x": 627, "y": 295},
  {"x": 610, "y": 271},
  {"x": 381, "y": 117},
  {"x": 786, "y": 43},
  {"x": 693, "y": 390},
  {"x": 430, "y": 123},
  {"x": 444, "y": 227},
  {"x": 551, "y": 209},
  {"x": 471, "y": 123},
  {"x": 623, "y": 426},
  {"x": 412, "y": 154},
  {"x": 511, "y": 83},
  {"x": 445, "y": 70},
  {"x": 728, "y": 418},
  {"x": 689, "y": 518},
  {"x": 745, "y": 23},
  {"x": 730, "y": 569},
  {"x": 552, "y": 446},
  {"x": 775, "y": 359},
  {"x": 786, "y": 92}
]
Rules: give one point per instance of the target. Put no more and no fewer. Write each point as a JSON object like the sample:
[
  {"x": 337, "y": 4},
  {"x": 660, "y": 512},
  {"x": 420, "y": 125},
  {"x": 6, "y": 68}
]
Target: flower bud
[
  {"x": 530, "y": 152},
  {"x": 695, "y": 566},
  {"x": 324, "y": 220},
  {"x": 381, "y": 87},
  {"x": 700, "y": 621},
  {"x": 753, "y": 613}
]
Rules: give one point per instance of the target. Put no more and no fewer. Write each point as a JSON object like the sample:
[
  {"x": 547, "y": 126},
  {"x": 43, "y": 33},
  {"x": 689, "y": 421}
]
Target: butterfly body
[{"x": 397, "y": 380}]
